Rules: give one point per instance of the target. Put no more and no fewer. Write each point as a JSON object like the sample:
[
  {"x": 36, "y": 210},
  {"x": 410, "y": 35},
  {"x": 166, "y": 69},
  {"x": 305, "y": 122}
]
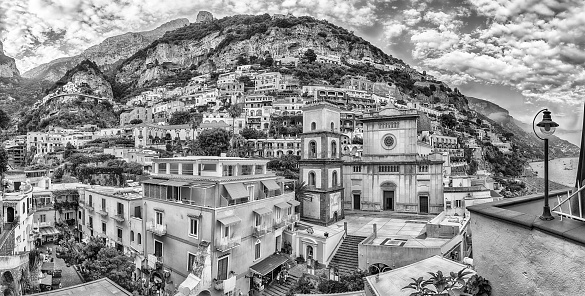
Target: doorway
[
  {"x": 309, "y": 252},
  {"x": 424, "y": 204},
  {"x": 277, "y": 246},
  {"x": 357, "y": 202},
  {"x": 10, "y": 214},
  {"x": 388, "y": 200}
]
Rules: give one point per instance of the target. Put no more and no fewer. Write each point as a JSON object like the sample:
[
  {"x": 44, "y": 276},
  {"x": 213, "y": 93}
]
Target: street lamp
[{"x": 547, "y": 128}]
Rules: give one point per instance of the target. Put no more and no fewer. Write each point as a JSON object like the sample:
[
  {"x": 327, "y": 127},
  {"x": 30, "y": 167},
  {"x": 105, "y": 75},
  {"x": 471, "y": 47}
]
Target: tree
[
  {"x": 234, "y": 111},
  {"x": 4, "y": 120},
  {"x": 3, "y": 161},
  {"x": 310, "y": 56},
  {"x": 249, "y": 133},
  {"x": 472, "y": 168},
  {"x": 452, "y": 284},
  {"x": 136, "y": 121},
  {"x": 301, "y": 192},
  {"x": 112, "y": 264},
  {"x": 214, "y": 141},
  {"x": 357, "y": 140},
  {"x": 180, "y": 117},
  {"x": 449, "y": 120},
  {"x": 478, "y": 121}
]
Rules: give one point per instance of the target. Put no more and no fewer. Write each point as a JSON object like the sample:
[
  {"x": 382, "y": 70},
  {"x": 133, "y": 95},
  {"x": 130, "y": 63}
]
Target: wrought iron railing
[{"x": 572, "y": 206}]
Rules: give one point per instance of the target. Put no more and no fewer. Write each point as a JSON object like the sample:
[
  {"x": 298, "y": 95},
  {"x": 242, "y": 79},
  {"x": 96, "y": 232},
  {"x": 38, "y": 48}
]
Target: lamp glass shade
[{"x": 547, "y": 131}]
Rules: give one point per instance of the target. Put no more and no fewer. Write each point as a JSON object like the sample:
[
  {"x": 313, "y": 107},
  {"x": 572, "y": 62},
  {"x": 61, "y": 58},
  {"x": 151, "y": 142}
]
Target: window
[
  {"x": 138, "y": 212},
  {"x": 68, "y": 216},
  {"x": 120, "y": 208},
  {"x": 458, "y": 203},
  {"x": 333, "y": 149},
  {"x": 423, "y": 168},
  {"x": 258, "y": 220},
  {"x": 79, "y": 215},
  {"x": 388, "y": 168},
  {"x": 194, "y": 227},
  {"x": 357, "y": 168},
  {"x": 103, "y": 204},
  {"x": 334, "y": 179},
  {"x": 159, "y": 218},
  {"x": 158, "y": 248},
  {"x": 131, "y": 235},
  {"x": 90, "y": 221},
  {"x": 332, "y": 127},
  {"x": 222, "y": 268},
  {"x": 226, "y": 231},
  {"x": 312, "y": 149},
  {"x": 313, "y": 126},
  {"x": 90, "y": 201},
  {"x": 139, "y": 238},
  {"x": 190, "y": 262},
  {"x": 257, "y": 248},
  {"x": 103, "y": 227},
  {"x": 311, "y": 178},
  {"x": 43, "y": 218},
  {"x": 250, "y": 191},
  {"x": 120, "y": 233}
]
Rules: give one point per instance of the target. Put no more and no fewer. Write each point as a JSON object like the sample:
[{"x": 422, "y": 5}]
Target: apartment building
[
  {"x": 17, "y": 214},
  {"x": 142, "y": 113},
  {"x": 215, "y": 223},
  {"x": 269, "y": 82}
]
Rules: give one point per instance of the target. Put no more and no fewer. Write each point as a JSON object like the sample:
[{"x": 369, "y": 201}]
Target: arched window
[
  {"x": 259, "y": 113},
  {"x": 312, "y": 149},
  {"x": 131, "y": 235},
  {"x": 139, "y": 239},
  {"x": 313, "y": 126},
  {"x": 332, "y": 127},
  {"x": 334, "y": 177},
  {"x": 333, "y": 149},
  {"x": 312, "y": 179}
]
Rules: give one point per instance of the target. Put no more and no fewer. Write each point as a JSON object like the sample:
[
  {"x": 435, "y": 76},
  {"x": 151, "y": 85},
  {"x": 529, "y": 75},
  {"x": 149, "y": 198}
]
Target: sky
[{"x": 523, "y": 55}]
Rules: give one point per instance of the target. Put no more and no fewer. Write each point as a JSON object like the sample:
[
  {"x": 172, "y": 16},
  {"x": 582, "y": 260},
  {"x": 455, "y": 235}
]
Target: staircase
[
  {"x": 276, "y": 289},
  {"x": 346, "y": 257}
]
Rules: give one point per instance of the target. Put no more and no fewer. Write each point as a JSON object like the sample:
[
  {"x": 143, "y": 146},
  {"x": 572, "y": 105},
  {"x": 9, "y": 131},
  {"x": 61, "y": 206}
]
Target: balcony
[
  {"x": 293, "y": 218},
  {"x": 279, "y": 223},
  {"x": 88, "y": 206},
  {"x": 260, "y": 231},
  {"x": 224, "y": 244},
  {"x": 118, "y": 217},
  {"x": 158, "y": 229},
  {"x": 103, "y": 212}
]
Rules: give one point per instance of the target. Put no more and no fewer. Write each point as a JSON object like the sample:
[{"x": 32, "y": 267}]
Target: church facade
[{"x": 391, "y": 175}]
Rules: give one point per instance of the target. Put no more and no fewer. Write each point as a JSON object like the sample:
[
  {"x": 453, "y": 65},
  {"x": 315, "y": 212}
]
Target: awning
[
  {"x": 229, "y": 220},
  {"x": 47, "y": 280},
  {"x": 189, "y": 284},
  {"x": 236, "y": 190},
  {"x": 153, "y": 181},
  {"x": 282, "y": 205},
  {"x": 175, "y": 183},
  {"x": 271, "y": 185},
  {"x": 47, "y": 266},
  {"x": 269, "y": 264},
  {"x": 262, "y": 211},
  {"x": 48, "y": 231},
  {"x": 294, "y": 202}
]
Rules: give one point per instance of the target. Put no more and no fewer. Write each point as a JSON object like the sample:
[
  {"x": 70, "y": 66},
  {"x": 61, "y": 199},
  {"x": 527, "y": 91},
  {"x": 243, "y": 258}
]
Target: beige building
[{"x": 391, "y": 175}]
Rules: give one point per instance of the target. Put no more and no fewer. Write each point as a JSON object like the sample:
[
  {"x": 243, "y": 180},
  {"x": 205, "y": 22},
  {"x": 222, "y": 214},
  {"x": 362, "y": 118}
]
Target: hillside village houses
[{"x": 213, "y": 225}]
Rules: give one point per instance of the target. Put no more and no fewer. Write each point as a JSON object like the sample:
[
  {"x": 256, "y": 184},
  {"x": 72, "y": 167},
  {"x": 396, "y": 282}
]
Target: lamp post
[{"x": 547, "y": 128}]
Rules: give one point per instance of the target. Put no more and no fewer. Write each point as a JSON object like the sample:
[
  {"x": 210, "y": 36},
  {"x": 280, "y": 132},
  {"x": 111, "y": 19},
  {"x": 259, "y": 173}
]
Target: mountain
[
  {"x": 82, "y": 96},
  {"x": 8, "y": 68},
  {"x": 216, "y": 44},
  {"x": 523, "y": 137},
  {"x": 106, "y": 54}
]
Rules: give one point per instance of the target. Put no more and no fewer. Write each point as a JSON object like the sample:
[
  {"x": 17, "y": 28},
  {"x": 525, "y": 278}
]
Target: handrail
[{"x": 570, "y": 212}]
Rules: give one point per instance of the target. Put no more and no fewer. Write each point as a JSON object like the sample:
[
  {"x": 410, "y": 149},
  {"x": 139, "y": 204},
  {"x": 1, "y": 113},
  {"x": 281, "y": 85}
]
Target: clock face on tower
[{"x": 389, "y": 141}]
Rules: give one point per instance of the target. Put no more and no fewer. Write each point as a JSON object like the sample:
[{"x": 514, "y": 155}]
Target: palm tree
[
  {"x": 301, "y": 192},
  {"x": 235, "y": 110}
]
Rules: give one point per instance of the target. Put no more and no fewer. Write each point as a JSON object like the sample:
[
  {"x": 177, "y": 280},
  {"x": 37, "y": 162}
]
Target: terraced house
[{"x": 214, "y": 223}]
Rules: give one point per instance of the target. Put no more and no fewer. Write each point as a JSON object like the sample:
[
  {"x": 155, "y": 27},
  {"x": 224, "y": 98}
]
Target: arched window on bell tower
[
  {"x": 311, "y": 178},
  {"x": 333, "y": 149},
  {"x": 312, "y": 149},
  {"x": 334, "y": 179},
  {"x": 313, "y": 126},
  {"x": 332, "y": 126}
]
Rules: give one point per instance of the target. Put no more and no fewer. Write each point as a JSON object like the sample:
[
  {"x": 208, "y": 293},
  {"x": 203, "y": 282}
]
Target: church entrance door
[
  {"x": 388, "y": 200},
  {"x": 424, "y": 204}
]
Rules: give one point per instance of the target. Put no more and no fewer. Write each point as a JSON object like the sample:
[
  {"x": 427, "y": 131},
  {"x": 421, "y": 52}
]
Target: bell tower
[{"x": 321, "y": 164}]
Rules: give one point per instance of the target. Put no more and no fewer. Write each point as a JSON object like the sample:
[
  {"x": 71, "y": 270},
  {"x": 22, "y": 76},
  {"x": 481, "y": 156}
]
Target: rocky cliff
[
  {"x": 106, "y": 54},
  {"x": 7, "y": 65},
  {"x": 217, "y": 44},
  {"x": 85, "y": 78},
  {"x": 523, "y": 135}
]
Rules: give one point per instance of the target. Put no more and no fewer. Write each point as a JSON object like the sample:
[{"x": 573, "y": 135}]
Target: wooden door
[
  {"x": 424, "y": 204},
  {"x": 357, "y": 202}
]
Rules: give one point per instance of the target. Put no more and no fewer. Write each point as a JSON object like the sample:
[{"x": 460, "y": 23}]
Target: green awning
[
  {"x": 271, "y": 185},
  {"x": 262, "y": 211},
  {"x": 229, "y": 220},
  {"x": 236, "y": 190}
]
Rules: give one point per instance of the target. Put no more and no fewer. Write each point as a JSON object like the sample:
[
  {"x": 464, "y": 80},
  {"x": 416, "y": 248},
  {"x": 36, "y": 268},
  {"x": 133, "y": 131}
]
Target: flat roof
[
  {"x": 391, "y": 282},
  {"x": 101, "y": 287},
  {"x": 211, "y": 158},
  {"x": 118, "y": 192}
]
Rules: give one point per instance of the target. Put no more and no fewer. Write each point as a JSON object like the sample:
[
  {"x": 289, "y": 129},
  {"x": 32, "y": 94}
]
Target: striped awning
[
  {"x": 236, "y": 190},
  {"x": 229, "y": 220},
  {"x": 262, "y": 211},
  {"x": 271, "y": 185},
  {"x": 49, "y": 231}
]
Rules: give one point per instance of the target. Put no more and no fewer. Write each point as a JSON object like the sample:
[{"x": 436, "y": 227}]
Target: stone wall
[{"x": 523, "y": 261}]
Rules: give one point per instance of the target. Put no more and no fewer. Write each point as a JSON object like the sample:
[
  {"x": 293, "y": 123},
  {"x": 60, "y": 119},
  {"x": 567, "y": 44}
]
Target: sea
[{"x": 560, "y": 170}]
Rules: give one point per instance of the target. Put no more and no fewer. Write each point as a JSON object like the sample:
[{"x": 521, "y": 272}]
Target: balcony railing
[
  {"x": 293, "y": 218},
  {"x": 279, "y": 223},
  {"x": 572, "y": 206},
  {"x": 118, "y": 217},
  {"x": 223, "y": 244},
  {"x": 158, "y": 229},
  {"x": 259, "y": 231},
  {"x": 88, "y": 206}
]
